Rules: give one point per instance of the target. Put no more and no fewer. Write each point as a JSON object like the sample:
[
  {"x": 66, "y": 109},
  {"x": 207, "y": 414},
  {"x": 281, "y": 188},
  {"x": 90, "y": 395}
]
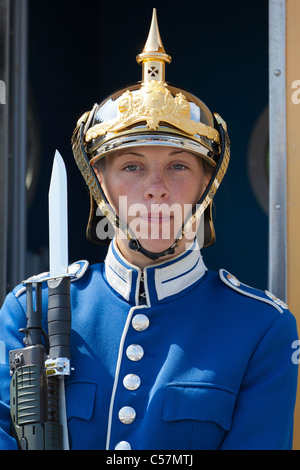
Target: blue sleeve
[
  {"x": 264, "y": 410},
  {"x": 12, "y": 318}
]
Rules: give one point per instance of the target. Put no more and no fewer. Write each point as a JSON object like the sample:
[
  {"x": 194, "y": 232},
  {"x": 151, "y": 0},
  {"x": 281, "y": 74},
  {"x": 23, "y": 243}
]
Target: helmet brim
[{"x": 155, "y": 140}]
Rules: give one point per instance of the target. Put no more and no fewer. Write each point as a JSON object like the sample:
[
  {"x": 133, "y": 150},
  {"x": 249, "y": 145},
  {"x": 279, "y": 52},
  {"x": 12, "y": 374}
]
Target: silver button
[
  {"x": 135, "y": 352},
  {"x": 131, "y": 381},
  {"x": 270, "y": 295},
  {"x": 123, "y": 445},
  {"x": 127, "y": 415},
  {"x": 233, "y": 280},
  {"x": 282, "y": 304},
  {"x": 140, "y": 322},
  {"x": 276, "y": 300}
]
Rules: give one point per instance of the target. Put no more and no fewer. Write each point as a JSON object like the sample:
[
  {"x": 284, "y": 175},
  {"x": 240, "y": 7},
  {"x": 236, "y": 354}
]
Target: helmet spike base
[{"x": 153, "y": 57}]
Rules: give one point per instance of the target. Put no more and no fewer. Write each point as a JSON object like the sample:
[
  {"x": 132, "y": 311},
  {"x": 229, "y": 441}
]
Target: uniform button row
[{"x": 135, "y": 353}]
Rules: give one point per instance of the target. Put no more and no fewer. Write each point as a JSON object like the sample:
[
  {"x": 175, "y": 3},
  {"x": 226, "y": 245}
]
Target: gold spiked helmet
[{"x": 151, "y": 112}]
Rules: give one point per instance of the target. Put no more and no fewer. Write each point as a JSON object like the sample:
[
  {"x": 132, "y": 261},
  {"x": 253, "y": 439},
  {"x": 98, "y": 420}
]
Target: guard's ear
[{"x": 98, "y": 173}]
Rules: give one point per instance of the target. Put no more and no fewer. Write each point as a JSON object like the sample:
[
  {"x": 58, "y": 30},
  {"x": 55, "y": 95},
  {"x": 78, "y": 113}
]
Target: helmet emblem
[{"x": 153, "y": 103}]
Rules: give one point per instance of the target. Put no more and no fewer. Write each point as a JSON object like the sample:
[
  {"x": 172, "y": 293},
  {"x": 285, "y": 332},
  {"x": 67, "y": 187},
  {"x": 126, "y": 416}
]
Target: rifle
[{"x": 37, "y": 386}]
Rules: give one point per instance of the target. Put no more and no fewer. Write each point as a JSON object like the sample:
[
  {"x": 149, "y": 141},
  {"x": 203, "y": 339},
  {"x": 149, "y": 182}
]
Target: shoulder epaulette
[
  {"x": 75, "y": 270},
  {"x": 263, "y": 296}
]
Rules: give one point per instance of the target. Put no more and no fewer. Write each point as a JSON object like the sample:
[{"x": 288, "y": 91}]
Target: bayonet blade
[{"x": 58, "y": 219}]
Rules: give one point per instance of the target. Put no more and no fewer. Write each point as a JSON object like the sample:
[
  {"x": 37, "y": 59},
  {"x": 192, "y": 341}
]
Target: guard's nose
[{"x": 156, "y": 189}]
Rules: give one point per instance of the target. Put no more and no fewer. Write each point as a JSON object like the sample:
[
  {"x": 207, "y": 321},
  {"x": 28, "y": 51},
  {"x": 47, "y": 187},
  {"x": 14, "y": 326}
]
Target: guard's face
[{"x": 153, "y": 189}]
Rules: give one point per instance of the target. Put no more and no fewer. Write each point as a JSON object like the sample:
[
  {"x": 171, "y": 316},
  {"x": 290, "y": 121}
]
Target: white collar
[{"x": 161, "y": 280}]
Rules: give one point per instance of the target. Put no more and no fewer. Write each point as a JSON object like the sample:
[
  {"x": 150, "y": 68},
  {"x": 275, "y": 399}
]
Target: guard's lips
[{"x": 155, "y": 216}]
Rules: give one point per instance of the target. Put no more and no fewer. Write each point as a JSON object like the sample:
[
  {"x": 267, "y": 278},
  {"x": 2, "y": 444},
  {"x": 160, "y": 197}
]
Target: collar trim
[
  {"x": 187, "y": 271},
  {"x": 162, "y": 280}
]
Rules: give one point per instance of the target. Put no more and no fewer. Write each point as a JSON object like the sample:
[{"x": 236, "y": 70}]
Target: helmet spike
[{"x": 154, "y": 56}]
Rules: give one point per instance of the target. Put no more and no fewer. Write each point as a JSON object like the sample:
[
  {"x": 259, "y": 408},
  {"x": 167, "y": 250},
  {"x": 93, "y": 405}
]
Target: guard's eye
[
  {"x": 132, "y": 168},
  {"x": 178, "y": 166}
]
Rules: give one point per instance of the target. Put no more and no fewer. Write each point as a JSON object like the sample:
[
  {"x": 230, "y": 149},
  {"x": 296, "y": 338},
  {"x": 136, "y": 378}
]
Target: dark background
[{"x": 81, "y": 51}]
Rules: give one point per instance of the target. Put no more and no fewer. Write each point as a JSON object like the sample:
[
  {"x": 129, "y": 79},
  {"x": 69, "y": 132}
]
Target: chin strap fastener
[{"x": 136, "y": 246}]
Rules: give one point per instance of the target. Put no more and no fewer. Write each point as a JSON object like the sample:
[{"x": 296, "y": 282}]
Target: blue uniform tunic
[{"x": 198, "y": 361}]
